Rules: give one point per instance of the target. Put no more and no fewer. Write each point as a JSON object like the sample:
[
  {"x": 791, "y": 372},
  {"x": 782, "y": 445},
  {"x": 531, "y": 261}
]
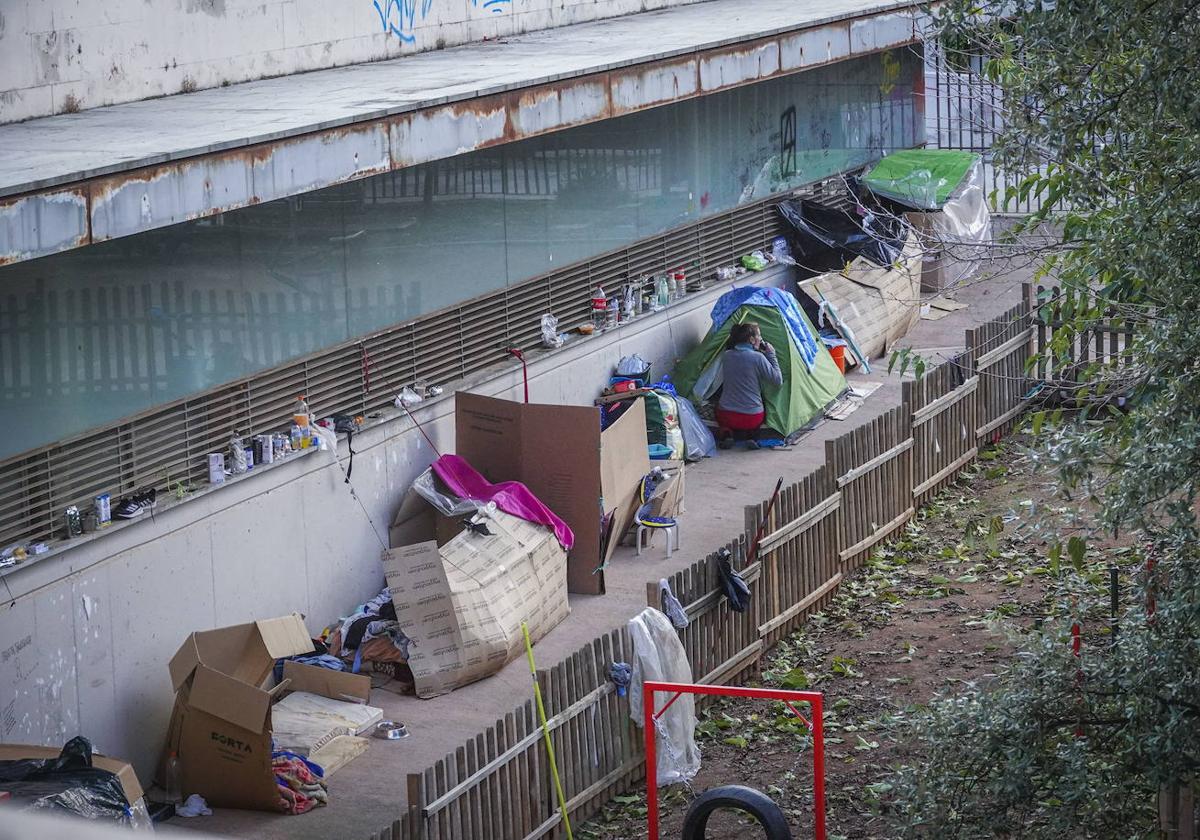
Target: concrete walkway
[{"x": 370, "y": 792}]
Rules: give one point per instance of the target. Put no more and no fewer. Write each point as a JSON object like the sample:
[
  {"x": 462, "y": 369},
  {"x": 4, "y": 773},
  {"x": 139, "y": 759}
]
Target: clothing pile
[
  {"x": 300, "y": 782},
  {"x": 371, "y": 637}
]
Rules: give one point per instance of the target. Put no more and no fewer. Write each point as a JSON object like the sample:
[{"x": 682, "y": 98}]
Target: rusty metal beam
[{"x": 96, "y": 210}]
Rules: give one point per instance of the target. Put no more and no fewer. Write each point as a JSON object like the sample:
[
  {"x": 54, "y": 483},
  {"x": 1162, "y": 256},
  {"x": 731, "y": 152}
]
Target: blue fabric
[
  {"x": 315, "y": 768},
  {"x": 802, "y": 337}
]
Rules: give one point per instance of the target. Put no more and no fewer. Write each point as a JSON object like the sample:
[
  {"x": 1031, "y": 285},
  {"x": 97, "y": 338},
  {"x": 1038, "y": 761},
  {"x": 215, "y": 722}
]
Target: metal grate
[{"x": 166, "y": 445}]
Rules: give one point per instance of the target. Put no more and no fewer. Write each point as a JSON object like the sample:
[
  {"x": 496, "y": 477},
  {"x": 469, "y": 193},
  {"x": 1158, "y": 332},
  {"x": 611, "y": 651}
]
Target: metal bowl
[{"x": 391, "y": 730}]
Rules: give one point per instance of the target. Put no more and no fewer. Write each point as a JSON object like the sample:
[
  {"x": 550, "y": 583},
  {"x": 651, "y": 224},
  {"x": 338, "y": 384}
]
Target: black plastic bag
[
  {"x": 67, "y": 784},
  {"x": 818, "y": 229},
  {"x": 735, "y": 589}
]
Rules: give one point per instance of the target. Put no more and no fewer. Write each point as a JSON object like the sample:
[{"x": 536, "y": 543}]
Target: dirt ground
[{"x": 928, "y": 613}]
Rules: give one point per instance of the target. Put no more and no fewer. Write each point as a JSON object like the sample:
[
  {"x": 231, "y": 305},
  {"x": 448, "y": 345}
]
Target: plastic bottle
[
  {"x": 599, "y": 308},
  {"x": 297, "y": 438},
  {"x": 662, "y": 291},
  {"x": 237, "y": 453},
  {"x": 300, "y": 413},
  {"x": 680, "y": 283},
  {"x": 613, "y": 313},
  {"x": 174, "y": 780}
]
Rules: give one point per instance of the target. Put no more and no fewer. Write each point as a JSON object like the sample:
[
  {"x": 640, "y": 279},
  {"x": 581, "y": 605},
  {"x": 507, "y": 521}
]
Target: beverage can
[
  {"x": 216, "y": 468},
  {"x": 72, "y": 522},
  {"x": 102, "y": 504}
]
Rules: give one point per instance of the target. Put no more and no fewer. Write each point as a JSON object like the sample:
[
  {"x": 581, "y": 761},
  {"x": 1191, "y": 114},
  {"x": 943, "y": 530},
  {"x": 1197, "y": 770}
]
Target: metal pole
[
  {"x": 818, "y": 724},
  {"x": 651, "y": 761},
  {"x": 537, "y": 694}
]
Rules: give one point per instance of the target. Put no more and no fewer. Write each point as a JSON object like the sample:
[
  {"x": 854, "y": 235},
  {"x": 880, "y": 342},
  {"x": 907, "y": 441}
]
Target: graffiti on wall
[{"x": 400, "y": 17}]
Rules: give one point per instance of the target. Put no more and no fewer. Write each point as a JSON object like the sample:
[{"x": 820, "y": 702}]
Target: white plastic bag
[
  {"x": 407, "y": 397},
  {"x": 697, "y": 438},
  {"x": 658, "y": 655}
]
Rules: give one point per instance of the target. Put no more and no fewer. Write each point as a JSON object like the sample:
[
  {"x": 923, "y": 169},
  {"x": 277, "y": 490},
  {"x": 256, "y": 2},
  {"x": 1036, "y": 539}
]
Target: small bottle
[
  {"x": 174, "y": 780},
  {"x": 300, "y": 412},
  {"x": 297, "y": 437},
  {"x": 599, "y": 308},
  {"x": 680, "y": 283},
  {"x": 613, "y": 314},
  {"x": 662, "y": 291}
]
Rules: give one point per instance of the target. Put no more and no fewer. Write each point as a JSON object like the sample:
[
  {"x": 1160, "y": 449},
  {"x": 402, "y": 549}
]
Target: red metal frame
[{"x": 816, "y": 726}]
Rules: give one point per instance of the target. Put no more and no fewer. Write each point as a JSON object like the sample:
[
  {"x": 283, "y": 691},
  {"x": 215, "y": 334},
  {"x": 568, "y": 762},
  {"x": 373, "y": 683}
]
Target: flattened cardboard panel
[
  {"x": 336, "y": 685},
  {"x": 554, "y": 450},
  {"x": 285, "y": 636},
  {"x": 624, "y": 460},
  {"x": 487, "y": 433}
]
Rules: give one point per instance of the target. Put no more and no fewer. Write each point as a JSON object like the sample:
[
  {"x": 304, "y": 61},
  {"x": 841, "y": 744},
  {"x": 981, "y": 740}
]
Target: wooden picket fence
[{"x": 498, "y": 787}]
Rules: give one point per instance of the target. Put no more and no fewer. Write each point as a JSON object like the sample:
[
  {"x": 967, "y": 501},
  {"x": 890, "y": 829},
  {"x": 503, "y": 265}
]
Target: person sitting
[{"x": 747, "y": 363}]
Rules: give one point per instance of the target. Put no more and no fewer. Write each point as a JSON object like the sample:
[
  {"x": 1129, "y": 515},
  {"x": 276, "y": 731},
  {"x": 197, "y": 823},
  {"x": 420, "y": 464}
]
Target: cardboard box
[
  {"x": 933, "y": 277},
  {"x": 560, "y": 454},
  {"x": 122, "y": 770},
  {"x": 462, "y": 604},
  {"x": 221, "y": 724}
]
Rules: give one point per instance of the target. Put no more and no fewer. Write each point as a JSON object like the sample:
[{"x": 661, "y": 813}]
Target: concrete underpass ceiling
[{"x": 73, "y": 180}]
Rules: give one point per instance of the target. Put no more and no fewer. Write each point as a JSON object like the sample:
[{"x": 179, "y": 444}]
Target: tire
[{"x": 738, "y": 798}]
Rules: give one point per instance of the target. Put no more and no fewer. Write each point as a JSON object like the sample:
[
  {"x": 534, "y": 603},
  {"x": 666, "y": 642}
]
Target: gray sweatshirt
[{"x": 744, "y": 369}]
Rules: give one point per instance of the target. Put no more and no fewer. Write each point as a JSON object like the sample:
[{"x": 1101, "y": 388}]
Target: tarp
[
  {"x": 818, "y": 228},
  {"x": 510, "y": 496},
  {"x": 923, "y": 179},
  {"x": 805, "y": 391}
]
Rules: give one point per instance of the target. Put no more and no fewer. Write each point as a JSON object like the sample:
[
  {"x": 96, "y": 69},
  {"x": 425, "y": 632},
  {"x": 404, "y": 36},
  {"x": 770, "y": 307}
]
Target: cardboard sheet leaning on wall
[
  {"x": 462, "y": 605},
  {"x": 880, "y": 304}
]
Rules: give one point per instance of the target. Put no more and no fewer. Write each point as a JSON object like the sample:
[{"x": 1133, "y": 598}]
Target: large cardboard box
[
  {"x": 558, "y": 451},
  {"x": 933, "y": 275},
  {"x": 122, "y": 770},
  {"x": 462, "y": 605},
  {"x": 221, "y": 725}
]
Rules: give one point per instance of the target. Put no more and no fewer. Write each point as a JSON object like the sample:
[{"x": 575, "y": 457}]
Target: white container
[{"x": 216, "y": 468}]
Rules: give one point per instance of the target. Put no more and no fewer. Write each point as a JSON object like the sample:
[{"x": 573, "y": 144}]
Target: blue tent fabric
[{"x": 802, "y": 337}]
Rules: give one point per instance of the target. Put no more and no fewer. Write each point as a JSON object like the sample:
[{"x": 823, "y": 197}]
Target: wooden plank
[
  {"x": 958, "y": 463},
  {"x": 1002, "y": 419},
  {"x": 801, "y": 524},
  {"x": 935, "y": 408},
  {"x": 879, "y": 535},
  {"x": 875, "y": 463},
  {"x": 731, "y": 664},
  {"x": 801, "y": 605},
  {"x": 528, "y": 740}
]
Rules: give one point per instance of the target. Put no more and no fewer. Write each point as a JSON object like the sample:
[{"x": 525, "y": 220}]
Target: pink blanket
[{"x": 510, "y": 496}]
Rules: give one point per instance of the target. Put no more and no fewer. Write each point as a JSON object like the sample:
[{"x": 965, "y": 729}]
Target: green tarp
[
  {"x": 804, "y": 393},
  {"x": 920, "y": 178}
]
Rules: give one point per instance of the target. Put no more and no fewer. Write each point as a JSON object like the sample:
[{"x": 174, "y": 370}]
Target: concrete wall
[
  {"x": 85, "y": 640},
  {"x": 59, "y": 56}
]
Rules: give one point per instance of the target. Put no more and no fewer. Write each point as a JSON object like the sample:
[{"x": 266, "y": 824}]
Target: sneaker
[
  {"x": 725, "y": 443},
  {"x": 134, "y": 506},
  {"x": 752, "y": 444}
]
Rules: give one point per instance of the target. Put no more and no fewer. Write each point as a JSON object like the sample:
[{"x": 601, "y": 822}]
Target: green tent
[
  {"x": 804, "y": 394},
  {"x": 923, "y": 179}
]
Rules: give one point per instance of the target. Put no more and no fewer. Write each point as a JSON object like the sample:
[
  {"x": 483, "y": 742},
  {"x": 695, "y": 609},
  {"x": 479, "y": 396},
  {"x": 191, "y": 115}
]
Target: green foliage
[{"x": 1102, "y": 99}]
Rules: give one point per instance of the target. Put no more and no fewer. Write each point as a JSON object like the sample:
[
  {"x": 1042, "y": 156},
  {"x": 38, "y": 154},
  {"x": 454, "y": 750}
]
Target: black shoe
[
  {"x": 134, "y": 506},
  {"x": 725, "y": 443},
  {"x": 752, "y": 444}
]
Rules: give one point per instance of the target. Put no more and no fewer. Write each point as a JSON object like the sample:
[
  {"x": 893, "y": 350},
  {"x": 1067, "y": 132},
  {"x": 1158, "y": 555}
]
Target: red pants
[{"x": 738, "y": 423}]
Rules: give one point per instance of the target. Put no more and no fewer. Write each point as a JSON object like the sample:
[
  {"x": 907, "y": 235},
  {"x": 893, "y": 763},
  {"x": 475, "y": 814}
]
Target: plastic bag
[
  {"x": 68, "y": 783},
  {"x": 697, "y": 438},
  {"x": 407, "y": 397},
  {"x": 818, "y": 228},
  {"x": 634, "y": 367},
  {"x": 428, "y": 488},
  {"x": 659, "y": 655},
  {"x": 550, "y": 337}
]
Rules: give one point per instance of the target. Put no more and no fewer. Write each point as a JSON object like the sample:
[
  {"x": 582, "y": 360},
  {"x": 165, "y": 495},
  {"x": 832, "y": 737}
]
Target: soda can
[
  {"x": 216, "y": 468},
  {"x": 72, "y": 522},
  {"x": 264, "y": 449},
  {"x": 102, "y": 504}
]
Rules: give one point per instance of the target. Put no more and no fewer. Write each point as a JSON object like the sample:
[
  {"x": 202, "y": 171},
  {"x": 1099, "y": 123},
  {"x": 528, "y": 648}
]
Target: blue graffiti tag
[
  {"x": 494, "y": 5},
  {"x": 399, "y": 16}
]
